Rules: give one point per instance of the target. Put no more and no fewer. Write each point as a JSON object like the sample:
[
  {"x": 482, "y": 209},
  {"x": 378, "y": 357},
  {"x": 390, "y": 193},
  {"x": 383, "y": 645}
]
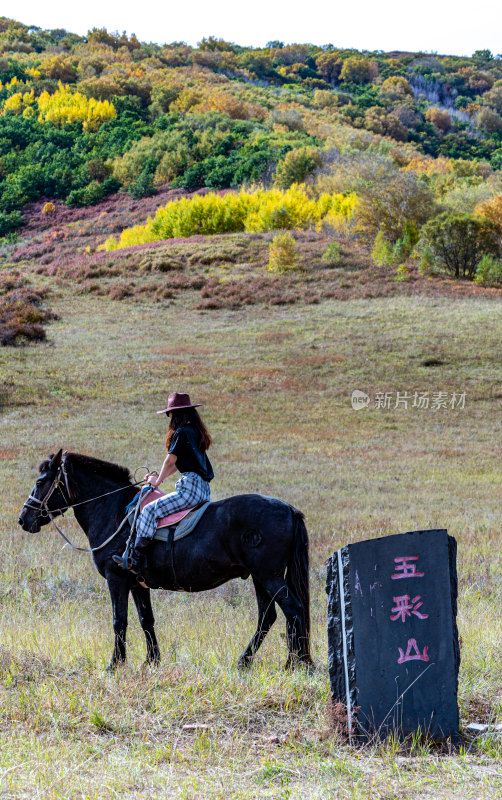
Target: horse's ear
[{"x": 56, "y": 460}]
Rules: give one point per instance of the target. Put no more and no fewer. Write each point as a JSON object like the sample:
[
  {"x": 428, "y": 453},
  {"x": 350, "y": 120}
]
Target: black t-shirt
[{"x": 189, "y": 456}]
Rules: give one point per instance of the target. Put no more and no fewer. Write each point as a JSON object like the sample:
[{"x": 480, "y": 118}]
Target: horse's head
[{"x": 47, "y": 495}]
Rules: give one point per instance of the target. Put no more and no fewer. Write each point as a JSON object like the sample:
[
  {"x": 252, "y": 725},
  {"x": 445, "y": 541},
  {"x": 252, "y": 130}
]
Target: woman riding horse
[{"x": 187, "y": 441}]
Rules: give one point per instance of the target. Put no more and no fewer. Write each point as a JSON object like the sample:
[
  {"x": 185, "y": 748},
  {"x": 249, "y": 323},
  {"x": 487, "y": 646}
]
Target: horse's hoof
[
  {"x": 153, "y": 663},
  {"x": 244, "y": 663},
  {"x": 295, "y": 661},
  {"x": 113, "y": 666}
]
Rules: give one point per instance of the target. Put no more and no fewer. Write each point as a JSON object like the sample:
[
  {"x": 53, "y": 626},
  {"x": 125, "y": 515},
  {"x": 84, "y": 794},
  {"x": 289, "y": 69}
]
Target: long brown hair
[{"x": 188, "y": 416}]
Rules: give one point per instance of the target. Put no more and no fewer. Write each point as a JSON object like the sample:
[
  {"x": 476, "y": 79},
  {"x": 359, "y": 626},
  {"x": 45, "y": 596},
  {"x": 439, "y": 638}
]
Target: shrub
[
  {"x": 489, "y": 271},
  {"x": 256, "y": 211},
  {"x": 282, "y": 253},
  {"x": 49, "y": 208},
  {"x": 66, "y": 107},
  {"x": 381, "y": 252},
  {"x": 332, "y": 253},
  {"x": 93, "y": 193},
  {"x": 296, "y": 166},
  {"x": 401, "y": 273},
  {"x": 86, "y": 196},
  {"x": 142, "y": 186},
  {"x": 9, "y": 222},
  {"x": 458, "y": 242},
  {"x": 21, "y": 313},
  {"x": 400, "y": 252},
  {"x": 426, "y": 265},
  {"x": 391, "y": 202}
]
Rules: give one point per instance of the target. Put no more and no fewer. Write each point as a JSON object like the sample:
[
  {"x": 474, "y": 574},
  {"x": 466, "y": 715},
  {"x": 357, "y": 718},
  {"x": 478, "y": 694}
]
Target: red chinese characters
[
  {"x": 405, "y": 570},
  {"x": 405, "y": 606},
  {"x": 409, "y": 656}
]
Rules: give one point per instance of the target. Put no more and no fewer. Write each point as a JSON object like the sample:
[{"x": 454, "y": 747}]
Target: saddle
[
  {"x": 171, "y": 519},
  {"x": 172, "y": 524},
  {"x": 169, "y": 529}
]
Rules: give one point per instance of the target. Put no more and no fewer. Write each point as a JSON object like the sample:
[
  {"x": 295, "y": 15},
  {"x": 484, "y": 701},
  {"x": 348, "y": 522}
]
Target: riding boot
[{"x": 134, "y": 556}]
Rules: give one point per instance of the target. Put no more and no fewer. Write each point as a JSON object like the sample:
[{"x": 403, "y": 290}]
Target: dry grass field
[{"x": 277, "y": 384}]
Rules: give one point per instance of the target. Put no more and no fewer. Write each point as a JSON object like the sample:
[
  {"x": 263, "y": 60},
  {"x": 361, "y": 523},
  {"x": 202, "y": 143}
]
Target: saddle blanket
[
  {"x": 183, "y": 528},
  {"x": 185, "y": 520}
]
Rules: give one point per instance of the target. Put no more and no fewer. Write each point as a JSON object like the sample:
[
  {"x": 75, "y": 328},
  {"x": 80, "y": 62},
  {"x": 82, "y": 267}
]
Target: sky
[{"x": 443, "y": 26}]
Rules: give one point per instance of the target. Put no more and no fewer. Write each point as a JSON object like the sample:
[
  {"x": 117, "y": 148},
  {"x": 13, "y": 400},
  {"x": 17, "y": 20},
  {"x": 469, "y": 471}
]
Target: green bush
[
  {"x": 426, "y": 264},
  {"x": 381, "y": 252},
  {"x": 9, "y": 222},
  {"x": 489, "y": 271},
  {"x": 332, "y": 253},
  {"x": 142, "y": 186},
  {"x": 296, "y": 166},
  {"x": 458, "y": 242},
  {"x": 87, "y": 196}
]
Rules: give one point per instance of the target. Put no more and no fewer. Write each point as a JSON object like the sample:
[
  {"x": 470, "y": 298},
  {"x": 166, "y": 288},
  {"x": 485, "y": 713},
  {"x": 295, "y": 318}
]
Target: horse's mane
[{"x": 103, "y": 469}]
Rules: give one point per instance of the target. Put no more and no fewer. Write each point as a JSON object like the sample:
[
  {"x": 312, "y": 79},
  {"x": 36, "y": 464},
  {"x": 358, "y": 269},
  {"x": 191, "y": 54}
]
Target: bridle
[
  {"x": 61, "y": 478},
  {"x": 56, "y": 484}
]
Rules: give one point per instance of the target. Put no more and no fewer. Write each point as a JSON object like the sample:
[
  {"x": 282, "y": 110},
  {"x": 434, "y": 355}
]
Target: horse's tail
[{"x": 297, "y": 578}]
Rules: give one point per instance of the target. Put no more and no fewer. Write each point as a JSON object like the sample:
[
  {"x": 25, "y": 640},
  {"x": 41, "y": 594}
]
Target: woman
[{"x": 187, "y": 442}]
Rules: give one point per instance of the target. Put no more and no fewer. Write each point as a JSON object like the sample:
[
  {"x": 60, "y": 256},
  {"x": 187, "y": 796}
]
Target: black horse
[{"x": 248, "y": 534}]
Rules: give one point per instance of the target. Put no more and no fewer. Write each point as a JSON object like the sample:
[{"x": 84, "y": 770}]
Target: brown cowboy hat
[{"x": 177, "y": 400}]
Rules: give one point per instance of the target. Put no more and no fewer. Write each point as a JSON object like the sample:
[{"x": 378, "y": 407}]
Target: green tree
[{"x": 458, "y": 242}]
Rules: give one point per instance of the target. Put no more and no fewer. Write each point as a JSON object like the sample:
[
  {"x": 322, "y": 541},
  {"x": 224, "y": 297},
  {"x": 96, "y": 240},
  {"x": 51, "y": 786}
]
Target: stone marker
[{"x": 392, "y": 634}]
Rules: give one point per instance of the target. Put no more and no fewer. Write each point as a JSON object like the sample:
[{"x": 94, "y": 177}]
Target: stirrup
[{"x": 123, "y": 562}]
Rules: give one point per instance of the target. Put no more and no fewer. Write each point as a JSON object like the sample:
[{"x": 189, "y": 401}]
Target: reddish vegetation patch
[
  {"x": 8, "y": 453},
  {"x": 21, "y": 312},
  {"x": 226, "y": 271},
  {"x": 252, "y": 290},
  {"x": 62, "y": 237}
]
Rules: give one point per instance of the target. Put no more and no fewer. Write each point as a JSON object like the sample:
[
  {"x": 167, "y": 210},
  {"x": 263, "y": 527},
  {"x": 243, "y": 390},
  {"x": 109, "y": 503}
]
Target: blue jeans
[{"x": 190, "y": 490}]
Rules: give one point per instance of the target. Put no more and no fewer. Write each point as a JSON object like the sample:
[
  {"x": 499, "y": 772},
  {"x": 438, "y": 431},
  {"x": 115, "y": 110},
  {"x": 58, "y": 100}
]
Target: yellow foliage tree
[
  {"x": 64, "y": 107},
  {"x": 17, "y": 103},
  {"x": 491, "y": 210},
  {"x": 396, "y": 88}
]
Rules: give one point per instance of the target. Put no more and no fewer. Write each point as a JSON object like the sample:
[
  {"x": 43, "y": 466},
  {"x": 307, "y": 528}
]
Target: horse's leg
[
  {"x": 292, "y": 610},
  {"x": 267, "y": 615},
  {"x": 142, "y": 600},
  {"x": 119, "y": 593}
]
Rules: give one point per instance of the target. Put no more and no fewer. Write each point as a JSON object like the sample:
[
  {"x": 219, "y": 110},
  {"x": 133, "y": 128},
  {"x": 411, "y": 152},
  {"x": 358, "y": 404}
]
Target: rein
[{"x": 56, "y": 484}]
